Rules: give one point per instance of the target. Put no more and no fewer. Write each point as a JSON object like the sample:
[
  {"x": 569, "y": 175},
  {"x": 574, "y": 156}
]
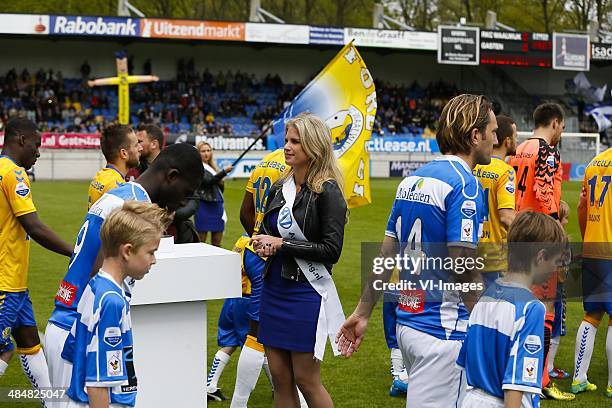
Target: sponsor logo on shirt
[
  {"x": 22, "y": 190},
  {"x": 114, "y": 363},
  {"x": 532, "y": 344},
  {"x": 550, "y": 160},
  {"x": 530, "y": 370},
  {"x": 66, "y": 293},
  {"x": 467, "y": 230},
  {"x": 510, "y": 187},
  {"x": 468, "y": 208},
  {"x": 412, "y": 194},
  {"x": 112, "y": 336},
  {"x": 412, "y": 301}
]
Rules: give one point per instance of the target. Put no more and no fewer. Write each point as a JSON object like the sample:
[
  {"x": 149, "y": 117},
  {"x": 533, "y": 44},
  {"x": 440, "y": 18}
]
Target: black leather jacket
[
  {"x": 209, "y": 186},
  {"x": 321, "y": 218}
]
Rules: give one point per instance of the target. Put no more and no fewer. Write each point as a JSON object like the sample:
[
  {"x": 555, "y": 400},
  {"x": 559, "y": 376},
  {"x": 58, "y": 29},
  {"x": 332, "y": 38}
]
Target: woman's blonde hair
[
  {"x": 211, "y": 162},
  {"x": 136, "y": 223},
  {"x": 315, "y": 138}
]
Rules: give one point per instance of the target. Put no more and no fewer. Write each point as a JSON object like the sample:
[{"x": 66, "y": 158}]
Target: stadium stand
[{"x": 231, "y": 103}]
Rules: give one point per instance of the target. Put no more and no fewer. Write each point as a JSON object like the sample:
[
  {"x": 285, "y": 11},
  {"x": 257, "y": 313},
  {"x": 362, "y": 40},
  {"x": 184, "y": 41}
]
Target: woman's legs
[
  {"x": 285, "y": 392},
  {"x": 216, "y": 238},
  {"x": 307, "y": 373},
  {"x": 202, "y": 235}
]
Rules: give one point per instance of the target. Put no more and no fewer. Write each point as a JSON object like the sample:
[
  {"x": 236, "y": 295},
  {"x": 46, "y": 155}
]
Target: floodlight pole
[
  {"x": 381, "y": 20},
  {"x": 124, "y": 7},
  {"x": 258, "y": 14},
  {"x": 492, "y": 24}
]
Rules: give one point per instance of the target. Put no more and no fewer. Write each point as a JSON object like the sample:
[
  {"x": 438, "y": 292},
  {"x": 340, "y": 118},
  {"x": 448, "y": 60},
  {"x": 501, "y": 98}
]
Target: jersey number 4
[{"x": 522, "y": 178}]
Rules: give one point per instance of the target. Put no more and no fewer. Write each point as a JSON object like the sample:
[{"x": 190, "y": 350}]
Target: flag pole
[{"x": 261, "y": 135}]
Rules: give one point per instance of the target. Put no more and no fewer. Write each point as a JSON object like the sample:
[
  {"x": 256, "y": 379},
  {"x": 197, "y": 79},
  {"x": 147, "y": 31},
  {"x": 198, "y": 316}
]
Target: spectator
[
  {"x": 85, "y": 70},
  {"x": 211, "y": 216}
]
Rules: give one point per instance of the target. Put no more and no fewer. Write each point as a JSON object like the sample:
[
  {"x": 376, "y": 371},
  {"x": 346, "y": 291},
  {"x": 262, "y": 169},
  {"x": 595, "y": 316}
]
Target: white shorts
[
  {"x": 74, "y": 404},
  {"x": 60, "y": 371},
  {"x": 434, "y": 379},
  {"x": 477, "y": 398}
]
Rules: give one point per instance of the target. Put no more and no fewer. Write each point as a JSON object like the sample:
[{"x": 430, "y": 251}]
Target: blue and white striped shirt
[
  {"x": 102, "y": 355},
  {"x": 504, "y": 346}
]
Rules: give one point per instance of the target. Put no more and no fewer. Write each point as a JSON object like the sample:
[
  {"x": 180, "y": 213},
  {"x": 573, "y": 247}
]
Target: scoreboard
[{"x": 516, "y": 48}]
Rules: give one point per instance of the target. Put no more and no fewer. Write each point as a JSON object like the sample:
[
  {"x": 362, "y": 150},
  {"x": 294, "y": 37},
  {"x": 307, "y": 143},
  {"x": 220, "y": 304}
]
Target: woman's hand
[
  {"x": 266, "y": 245},
  {"x": 229, "y": 169}
]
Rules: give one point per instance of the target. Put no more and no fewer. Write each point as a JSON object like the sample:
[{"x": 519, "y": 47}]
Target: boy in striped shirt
[
  {"x": 503, "y": 352},
  {"x": 103, "y": 372}
]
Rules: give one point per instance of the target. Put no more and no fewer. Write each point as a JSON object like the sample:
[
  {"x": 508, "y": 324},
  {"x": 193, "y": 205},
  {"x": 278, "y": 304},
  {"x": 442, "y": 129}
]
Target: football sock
[
  {"x": 247, "y": 373},
  {"x": 397, "y": 362},
  {"x": 3, "y": 366},
  {"x": 266, "y": 368},
  {"x": 554, "y": 346},
  {"x": 548, "y": 324},
  {"x": 35, "y": 367},
  {"x": 216, "y": 369},
  {"x": 303, "y": 403},
  {"x": 609, "y": 350},
  {"x": 585, "y": 341}
]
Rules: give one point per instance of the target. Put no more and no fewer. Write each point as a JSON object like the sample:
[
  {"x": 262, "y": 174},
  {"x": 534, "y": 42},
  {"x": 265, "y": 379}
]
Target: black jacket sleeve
[
  {"x": 331, "y": 210},
  {"x": 210, "y": 179}
]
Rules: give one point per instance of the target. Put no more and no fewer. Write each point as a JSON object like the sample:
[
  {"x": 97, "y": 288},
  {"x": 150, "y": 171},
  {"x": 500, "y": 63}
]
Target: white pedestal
[{"x": 168, "y": 310}]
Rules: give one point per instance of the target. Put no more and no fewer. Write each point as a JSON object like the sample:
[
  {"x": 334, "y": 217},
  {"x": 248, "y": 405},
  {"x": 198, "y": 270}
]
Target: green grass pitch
[{"x": 361, "y": 381}]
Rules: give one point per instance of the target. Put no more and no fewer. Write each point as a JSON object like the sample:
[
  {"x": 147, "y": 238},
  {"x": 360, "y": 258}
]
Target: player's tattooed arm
[
  {"x": 42, "y": 234},
  {"x": 468, "y": 276}
]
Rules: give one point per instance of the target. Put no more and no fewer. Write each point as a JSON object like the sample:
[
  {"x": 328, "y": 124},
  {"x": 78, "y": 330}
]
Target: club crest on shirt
[
  {"x": 114, "y": 363},
  {"x": 22, "y": 190},
  {"x": 468, "y": 208},
  {"x": 112, "y": 336},
  {"x": 532, "y": 344},
  {"x": 284, "y": 219}
]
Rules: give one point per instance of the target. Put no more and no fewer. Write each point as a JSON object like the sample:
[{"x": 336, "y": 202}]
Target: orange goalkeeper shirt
[{"x": 539, "y": 173}]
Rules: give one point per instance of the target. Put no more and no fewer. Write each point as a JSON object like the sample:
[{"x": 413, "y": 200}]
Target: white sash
[{"x": 331, "y": 316}]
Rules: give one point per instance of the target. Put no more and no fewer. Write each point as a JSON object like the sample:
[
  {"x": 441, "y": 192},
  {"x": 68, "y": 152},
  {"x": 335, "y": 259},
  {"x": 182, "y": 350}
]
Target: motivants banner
[
  {"x": 66, "y": 140},
  {"x": 217, "y": 142},
  {"x": 192, "y": 29}
]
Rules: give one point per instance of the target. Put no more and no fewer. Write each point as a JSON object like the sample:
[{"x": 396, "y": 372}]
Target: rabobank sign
[
  {"x": 398, "y": 144},
  {"x": 104, "y": 26}
]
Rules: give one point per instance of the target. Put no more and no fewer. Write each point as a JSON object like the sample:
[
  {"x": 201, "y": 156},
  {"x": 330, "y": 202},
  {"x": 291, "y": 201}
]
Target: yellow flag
[{"x": 343, "y": 95}]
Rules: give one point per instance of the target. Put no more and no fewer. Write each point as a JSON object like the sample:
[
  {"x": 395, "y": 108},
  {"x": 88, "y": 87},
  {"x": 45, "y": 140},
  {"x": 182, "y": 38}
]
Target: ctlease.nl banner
[{"x": 66, "y": 140}]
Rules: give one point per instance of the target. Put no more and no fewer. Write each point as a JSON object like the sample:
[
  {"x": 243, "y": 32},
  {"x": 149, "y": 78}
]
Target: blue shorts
[
  {"x": 233, "y": 322},
  {"x": 15, "y": 311},
  {"x": 597, "y": 285},
  {"x": 389, "y": 321}
]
